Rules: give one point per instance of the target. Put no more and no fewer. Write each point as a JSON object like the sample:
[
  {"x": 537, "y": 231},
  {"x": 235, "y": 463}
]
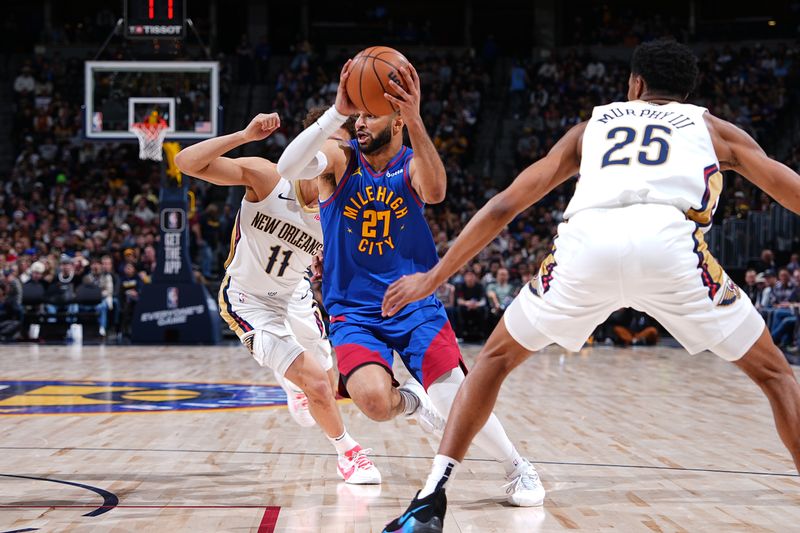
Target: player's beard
[{"x": 378, "y": 142}]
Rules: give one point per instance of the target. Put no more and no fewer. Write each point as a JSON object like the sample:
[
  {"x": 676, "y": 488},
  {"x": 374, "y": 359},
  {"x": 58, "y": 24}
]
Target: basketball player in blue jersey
[{"x": 372, "y": 196}]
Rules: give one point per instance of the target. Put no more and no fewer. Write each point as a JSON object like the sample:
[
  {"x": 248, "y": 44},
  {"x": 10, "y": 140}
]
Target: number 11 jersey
[
  {"x": 272, "y": 243},
  {"x": 639, "y": 153}
]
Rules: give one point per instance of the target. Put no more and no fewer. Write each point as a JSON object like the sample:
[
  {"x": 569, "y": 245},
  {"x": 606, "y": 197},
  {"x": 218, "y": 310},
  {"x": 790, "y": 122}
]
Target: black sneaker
[{"x": 422, "y": 516}]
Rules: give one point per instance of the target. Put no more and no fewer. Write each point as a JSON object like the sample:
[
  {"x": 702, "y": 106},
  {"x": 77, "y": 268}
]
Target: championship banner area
[{"x": 174, "y": 308}]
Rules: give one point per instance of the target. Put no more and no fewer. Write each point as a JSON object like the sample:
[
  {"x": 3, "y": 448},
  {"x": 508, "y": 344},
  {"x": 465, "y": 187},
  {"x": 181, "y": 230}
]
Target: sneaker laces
[
  {"x": 526, "y": 479},
  {"x": 361, "y": 460}
]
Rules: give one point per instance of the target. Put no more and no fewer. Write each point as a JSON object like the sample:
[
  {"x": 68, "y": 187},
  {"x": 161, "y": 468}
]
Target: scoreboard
[{"x": 155, "y": 19}]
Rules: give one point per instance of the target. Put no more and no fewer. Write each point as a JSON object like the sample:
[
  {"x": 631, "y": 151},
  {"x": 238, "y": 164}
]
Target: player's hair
[
  {"x": 317, "y": 111},
  {"x": 668, "y": 68}
]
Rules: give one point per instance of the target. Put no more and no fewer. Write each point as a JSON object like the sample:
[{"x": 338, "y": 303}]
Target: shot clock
[{"x": 155, "y": 19}]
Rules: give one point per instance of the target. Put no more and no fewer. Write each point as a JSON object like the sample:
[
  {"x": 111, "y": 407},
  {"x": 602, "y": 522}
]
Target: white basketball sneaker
[
  {"x": 524, "y": 488},
  {"x": 297, "y": 401},
  {"x": 357, "y": 469},
  {"x": 426, "y": 414}
]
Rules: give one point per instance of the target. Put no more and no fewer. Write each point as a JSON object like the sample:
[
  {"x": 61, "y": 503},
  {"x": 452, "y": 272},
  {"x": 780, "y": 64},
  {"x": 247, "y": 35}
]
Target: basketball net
[{"x": 151, "y": 138}]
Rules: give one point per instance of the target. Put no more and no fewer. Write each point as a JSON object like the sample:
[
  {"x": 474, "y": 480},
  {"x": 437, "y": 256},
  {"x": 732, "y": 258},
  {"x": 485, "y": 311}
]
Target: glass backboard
[{"x": 120, "y": 93}]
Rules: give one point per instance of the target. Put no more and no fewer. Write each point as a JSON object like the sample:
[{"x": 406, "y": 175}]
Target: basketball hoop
[{"x": 151, "y": 138}]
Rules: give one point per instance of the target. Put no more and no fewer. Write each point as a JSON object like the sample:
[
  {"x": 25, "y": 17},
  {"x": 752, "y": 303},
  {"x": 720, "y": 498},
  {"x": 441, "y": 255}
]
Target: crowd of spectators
[
  {"x": 603, "y": 23},
  {"x": 774, "y": 289},
  {"x": 68, "y": 204},
  {"x": 630, "y": 23}
]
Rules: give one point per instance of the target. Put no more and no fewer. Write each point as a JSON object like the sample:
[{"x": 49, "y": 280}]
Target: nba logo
[
  {"x": 172, "y": 219},
  {"x": 172, "y": 297}
]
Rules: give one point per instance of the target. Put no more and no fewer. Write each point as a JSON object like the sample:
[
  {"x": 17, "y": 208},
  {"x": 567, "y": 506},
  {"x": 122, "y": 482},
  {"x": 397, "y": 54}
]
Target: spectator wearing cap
[
  {"x": 129, "y": 255},
  {"x": 770, "y": 279},
  {"x": 753, "y": 286},
  {"x": 36, "y": 274},
  {"x": 128, "y": 239},
  {"x": 61, "y": 292}
]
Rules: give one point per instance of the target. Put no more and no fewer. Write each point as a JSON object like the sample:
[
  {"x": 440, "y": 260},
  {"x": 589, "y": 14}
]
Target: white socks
[
  {"x": 410, "y": 402},
  {"x": 512, "y": 463},
  {"x": 442, "y": 472},
  {"x": 492, "y": 438},
  {"x": 343, "y": 443}
]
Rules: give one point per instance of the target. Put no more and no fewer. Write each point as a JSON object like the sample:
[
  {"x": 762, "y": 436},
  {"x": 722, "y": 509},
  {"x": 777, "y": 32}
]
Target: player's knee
[
  {"x": 375, "y": 403},
  {"x": 318, "y": 390},
  {"x": 775, "y": 380}
]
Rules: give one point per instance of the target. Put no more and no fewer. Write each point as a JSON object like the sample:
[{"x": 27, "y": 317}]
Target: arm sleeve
[
  {"x": 311, "y": 170},
  {"x": 301, "y": 158}
]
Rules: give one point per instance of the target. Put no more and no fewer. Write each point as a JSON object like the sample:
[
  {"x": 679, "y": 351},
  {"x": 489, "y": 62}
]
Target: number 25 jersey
[
  {"x": 375, "y": 232},
  {"x": 637, "y": 153}
]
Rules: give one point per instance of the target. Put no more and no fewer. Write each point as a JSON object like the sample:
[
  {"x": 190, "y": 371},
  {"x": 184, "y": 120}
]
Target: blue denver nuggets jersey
[{"x": 375, "y": 232}]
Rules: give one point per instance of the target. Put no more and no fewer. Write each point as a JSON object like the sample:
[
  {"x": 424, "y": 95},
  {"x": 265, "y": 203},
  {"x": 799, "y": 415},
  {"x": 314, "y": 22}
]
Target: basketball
[{"x": 370, "y": 72}]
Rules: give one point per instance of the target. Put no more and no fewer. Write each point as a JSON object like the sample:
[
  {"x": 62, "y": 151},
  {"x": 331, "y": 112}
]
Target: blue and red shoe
[{"x": 424, "y": 515}]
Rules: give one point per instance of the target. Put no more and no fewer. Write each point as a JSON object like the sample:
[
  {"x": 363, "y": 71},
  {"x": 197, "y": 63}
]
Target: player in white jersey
[
  {"x": 265, "y": 296},
  {"x": 632, "y": 237}
]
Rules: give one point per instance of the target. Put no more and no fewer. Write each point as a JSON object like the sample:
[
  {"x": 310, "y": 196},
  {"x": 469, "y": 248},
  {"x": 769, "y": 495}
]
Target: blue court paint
[{"x": 87, "y": 397}]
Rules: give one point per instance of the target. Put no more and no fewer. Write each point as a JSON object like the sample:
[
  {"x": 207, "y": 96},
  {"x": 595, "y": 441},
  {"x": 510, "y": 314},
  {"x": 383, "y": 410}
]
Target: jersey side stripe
[
  {"x": 239, "y": 325},
  {"x": 236, "y": 234},
  {"x": 407, "y": 179},
  {"x": 713, "y": 178}
]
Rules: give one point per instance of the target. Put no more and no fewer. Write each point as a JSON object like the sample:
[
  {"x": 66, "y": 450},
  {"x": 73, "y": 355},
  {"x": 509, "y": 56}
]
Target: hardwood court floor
[{"x": 634, "y": 440}]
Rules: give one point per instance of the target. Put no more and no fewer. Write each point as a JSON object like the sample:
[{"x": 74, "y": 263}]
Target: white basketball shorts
[
  {"x": 645, "y": 256},
  {"x": 276, "y": 331}
]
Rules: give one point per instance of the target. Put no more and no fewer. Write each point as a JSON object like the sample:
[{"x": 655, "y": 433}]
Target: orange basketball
[{"x": 370, "y": 72}]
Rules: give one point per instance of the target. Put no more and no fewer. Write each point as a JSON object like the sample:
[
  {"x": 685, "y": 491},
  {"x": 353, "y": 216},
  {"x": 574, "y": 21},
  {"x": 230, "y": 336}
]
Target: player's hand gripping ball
[{"x": 368, "y": 79}]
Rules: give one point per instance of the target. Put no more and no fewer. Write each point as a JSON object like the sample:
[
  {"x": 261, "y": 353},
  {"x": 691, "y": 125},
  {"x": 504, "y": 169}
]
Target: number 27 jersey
[
  {"x": 637, "y": 153},
  {"x": 375, "y": 232}
]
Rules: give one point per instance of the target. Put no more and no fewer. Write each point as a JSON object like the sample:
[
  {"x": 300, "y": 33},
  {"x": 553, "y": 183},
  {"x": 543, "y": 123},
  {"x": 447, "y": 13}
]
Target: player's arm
[
  {"x": 312, "y": 153},
  {"x": 736, "y": 150},
  {"x": 528, "y": 187},
  {"x": 204, "y": 160},
  {"x": 426, "y": 169}
]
